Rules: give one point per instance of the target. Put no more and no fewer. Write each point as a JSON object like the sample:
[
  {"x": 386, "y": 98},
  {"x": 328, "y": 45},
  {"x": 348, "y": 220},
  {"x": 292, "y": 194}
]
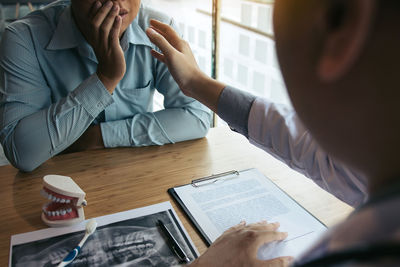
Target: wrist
[
  {"x": 206, "y": 90},
  {"x": 108, "y": 83},
  {"x": 194, "y": 85}
]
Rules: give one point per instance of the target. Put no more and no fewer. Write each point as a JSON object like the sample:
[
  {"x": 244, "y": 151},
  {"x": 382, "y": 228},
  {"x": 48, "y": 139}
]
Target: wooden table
[{"x": 126, "y": 178}]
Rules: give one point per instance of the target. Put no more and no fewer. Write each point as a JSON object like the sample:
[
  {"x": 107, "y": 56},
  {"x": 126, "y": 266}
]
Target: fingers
[
  {"x": 158, "y": 55},
  {"x": 160, "y": 41},
  {"x": 109, "y": 24},
  {"x": 268, "y": 237},
  {"x": 241, "y": 225},
  {"x": 95, "y": 8},
  {"x": 114, "y": 32},
  {"x": 269, "y": 227},
  {"x": 101, "y": 14},
  {"x": 259, "y": 233},
  {"x": 167, "y": 32},
  {"x": 259, "y": 226},
  {"x": 106, "y": 23}
]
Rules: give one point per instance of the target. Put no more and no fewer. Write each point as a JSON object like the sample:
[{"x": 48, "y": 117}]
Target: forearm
[
  {"x": 162, "y": 127},
  {"x": 277, "y": 130},
  {"x": 28, "y": 144},
  {"x": 34, "y": 138},
  {"x": 31, "y": 143},
  {"x": 206, "y": 90},
  {"x": 89, "y": 140}
]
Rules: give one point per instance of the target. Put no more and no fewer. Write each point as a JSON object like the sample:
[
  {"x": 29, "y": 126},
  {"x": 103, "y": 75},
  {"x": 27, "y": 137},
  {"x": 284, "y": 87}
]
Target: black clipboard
[
  {"x": 210, "y": 180},
  {"x": 197, "y": 183}
]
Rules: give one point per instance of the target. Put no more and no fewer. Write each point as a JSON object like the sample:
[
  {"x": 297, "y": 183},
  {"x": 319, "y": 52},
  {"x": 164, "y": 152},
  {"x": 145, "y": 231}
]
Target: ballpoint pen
[{"x": 173, "y": 243}]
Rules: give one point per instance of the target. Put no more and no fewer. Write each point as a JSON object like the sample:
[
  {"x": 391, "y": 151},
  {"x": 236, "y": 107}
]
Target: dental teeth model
[{"x": 65, "y": 201}]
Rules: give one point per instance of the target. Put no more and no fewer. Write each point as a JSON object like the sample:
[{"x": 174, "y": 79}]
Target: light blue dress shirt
[{"x": 50, "y": 93}]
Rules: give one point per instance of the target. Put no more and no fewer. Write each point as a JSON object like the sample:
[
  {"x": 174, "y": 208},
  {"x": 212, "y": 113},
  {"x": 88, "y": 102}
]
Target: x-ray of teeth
[{"x": 133, "y": 242}]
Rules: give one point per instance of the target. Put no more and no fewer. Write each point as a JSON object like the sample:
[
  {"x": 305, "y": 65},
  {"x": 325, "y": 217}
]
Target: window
[
  {"x": 12, "y": 10},
  {"x": 247, "y": 58},
  {"x": 194, "y": 22},
  {"x": 246, "y": 39}
]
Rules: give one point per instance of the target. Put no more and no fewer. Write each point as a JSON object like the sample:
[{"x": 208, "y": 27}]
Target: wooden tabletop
[{"x": 126, "y": 178}]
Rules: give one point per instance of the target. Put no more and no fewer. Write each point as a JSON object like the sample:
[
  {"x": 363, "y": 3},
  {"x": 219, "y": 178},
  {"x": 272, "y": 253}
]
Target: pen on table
[{"x": 173, "y": 243}]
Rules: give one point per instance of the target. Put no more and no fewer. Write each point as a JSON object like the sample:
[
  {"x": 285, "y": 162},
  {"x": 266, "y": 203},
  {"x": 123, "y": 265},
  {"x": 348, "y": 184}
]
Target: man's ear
[{"x": 346, "y": 26}]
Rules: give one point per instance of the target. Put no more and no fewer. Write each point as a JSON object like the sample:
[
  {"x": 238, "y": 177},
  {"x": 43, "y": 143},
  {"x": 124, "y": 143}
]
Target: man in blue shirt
[{"x": 81, "y": 74}]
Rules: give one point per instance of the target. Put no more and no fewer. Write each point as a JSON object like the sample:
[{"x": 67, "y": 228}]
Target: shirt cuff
[
  {"x": 115, "y": 134},
  {"x": 92, "y": 95},
  {"x": 234, "y": 107}
]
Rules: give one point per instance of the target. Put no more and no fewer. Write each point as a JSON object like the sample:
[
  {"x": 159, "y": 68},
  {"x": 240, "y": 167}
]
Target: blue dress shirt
[{"x": 50, "y": 93}]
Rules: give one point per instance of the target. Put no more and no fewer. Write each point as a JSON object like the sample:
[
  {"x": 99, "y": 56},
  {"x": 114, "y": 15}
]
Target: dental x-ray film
[{"x": 130, "y": 238}]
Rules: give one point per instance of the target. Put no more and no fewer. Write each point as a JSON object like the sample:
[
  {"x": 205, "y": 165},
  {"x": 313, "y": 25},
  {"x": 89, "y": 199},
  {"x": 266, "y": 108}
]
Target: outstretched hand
[
  {"x": 177, "y": 55},
  {"x": 238, "y": 246}
]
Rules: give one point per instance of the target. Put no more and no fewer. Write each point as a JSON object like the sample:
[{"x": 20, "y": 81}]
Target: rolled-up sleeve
[{"x": 32, "y": 127}]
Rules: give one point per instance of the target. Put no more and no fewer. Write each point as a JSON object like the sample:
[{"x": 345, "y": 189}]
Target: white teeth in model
[
  {"x": 65, "y": 201},
  {"x": 57, "y": 212},
  {"x": 54, "y": 198}
]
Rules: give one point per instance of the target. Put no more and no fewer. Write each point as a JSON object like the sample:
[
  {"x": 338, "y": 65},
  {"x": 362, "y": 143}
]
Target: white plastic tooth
[
  {"x": 54, "y": 198},
  {"x": 49, "y": 213},
  {"x": 57, "y": 213},
  {"x": 63, "y": 212},
  {"x": 58, "y": 199},
  {"x": 49, "y": 197},
  {"x": 62, "y": 200},
  {"x": 69, "y": 210},
  {"x": 67, "y": 201},
  {"x": 53, "y": 213}
]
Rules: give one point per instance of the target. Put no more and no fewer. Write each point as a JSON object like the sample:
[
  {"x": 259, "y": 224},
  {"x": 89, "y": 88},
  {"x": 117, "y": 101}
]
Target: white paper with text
[{"x": 218, "y": 205}]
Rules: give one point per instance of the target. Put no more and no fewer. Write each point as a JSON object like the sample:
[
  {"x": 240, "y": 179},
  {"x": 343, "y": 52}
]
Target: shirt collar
[
  {"x": 67, "y": 35},
  {"x": 136, "y": 35}
]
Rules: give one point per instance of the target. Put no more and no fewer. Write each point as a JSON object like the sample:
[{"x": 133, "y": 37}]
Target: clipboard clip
[{"x": 212, "y": 178}]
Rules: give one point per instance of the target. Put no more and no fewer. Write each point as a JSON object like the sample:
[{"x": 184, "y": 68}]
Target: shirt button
[{"x": 99, "y": 105}]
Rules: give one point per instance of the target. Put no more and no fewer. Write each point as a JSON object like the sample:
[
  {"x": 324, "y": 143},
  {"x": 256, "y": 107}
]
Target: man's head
[
  {"x": 128, "y": 11},
  {"x": 341, "y": 63}
]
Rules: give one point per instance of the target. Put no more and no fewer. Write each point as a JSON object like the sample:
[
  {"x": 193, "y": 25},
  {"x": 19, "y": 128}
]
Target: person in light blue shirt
[{"x": 79, "y": 75}]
